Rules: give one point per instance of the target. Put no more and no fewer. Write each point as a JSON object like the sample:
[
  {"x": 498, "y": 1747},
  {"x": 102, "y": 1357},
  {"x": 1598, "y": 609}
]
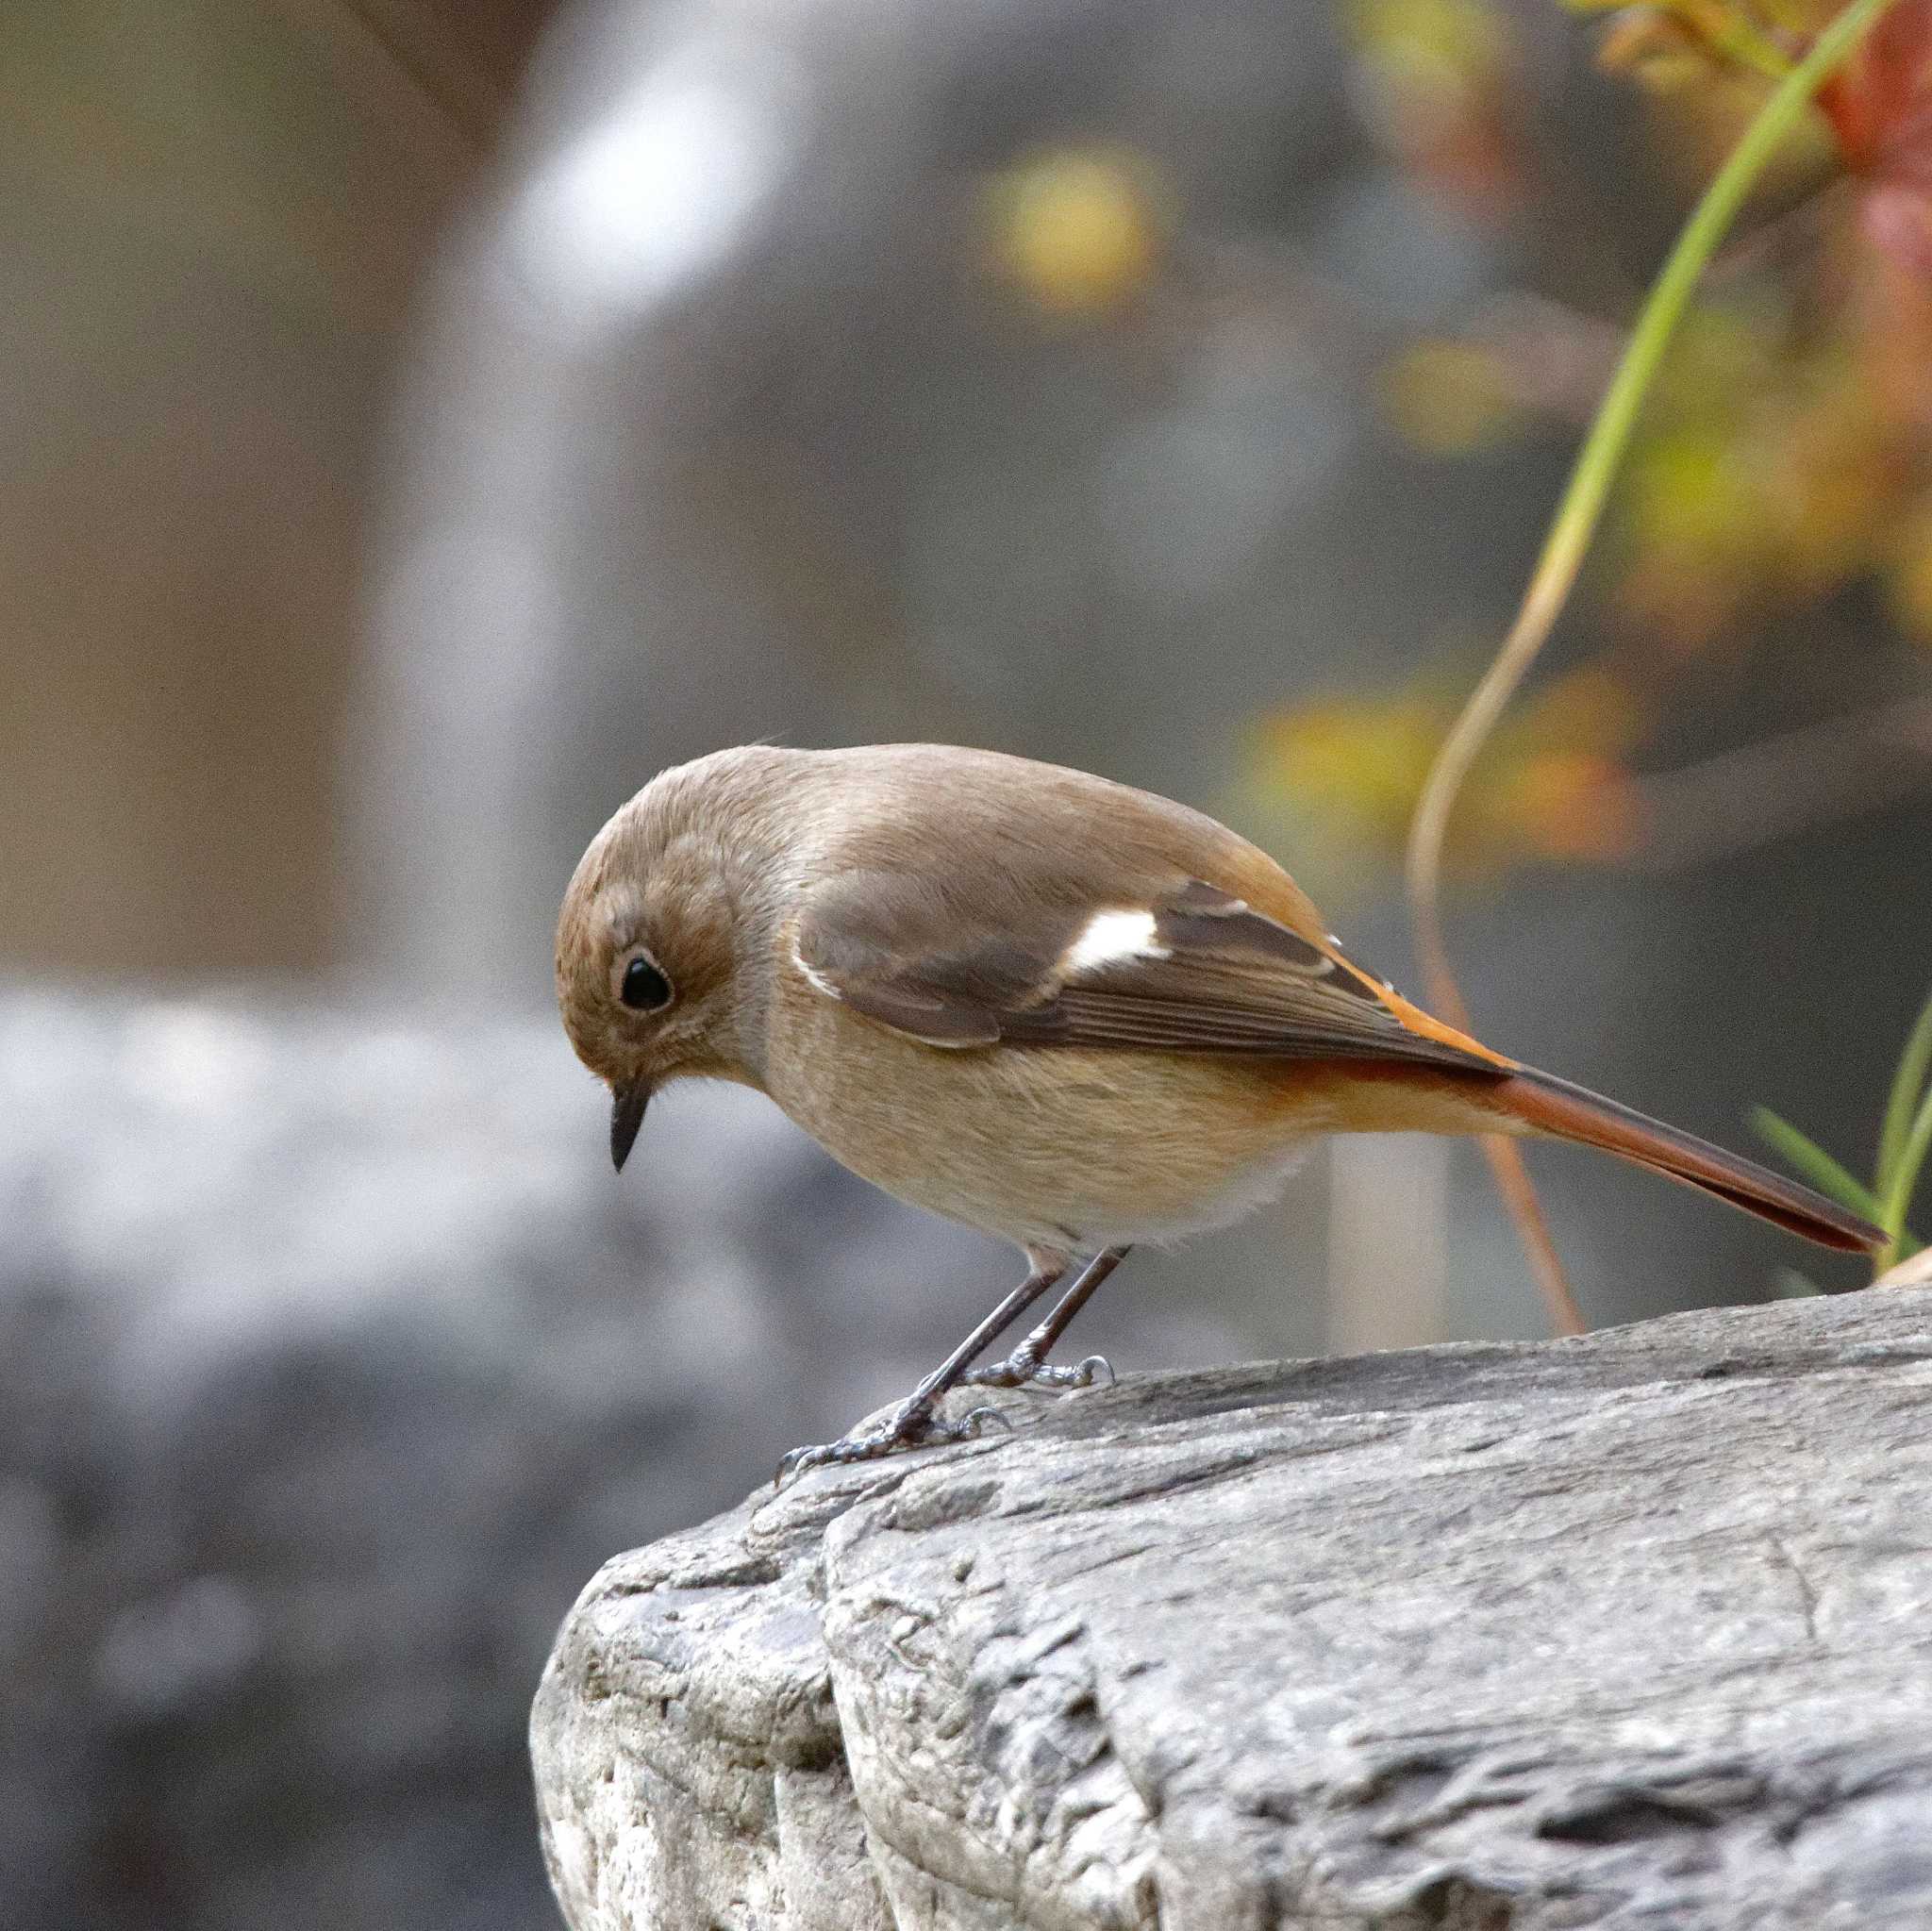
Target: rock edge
[{"x": 1630, "y": 1630}]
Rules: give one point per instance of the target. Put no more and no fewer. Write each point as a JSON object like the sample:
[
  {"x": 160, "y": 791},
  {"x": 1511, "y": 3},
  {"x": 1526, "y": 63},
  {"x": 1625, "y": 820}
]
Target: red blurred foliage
[{"x": 1879, "y": 105}]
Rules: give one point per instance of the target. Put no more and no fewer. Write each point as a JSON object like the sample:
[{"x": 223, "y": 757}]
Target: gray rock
[{"x": 1630, "y": 1631}]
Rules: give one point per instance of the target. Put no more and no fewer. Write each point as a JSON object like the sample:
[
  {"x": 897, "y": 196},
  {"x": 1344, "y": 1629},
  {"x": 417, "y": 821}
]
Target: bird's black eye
[{"x": 644, "y": 989}]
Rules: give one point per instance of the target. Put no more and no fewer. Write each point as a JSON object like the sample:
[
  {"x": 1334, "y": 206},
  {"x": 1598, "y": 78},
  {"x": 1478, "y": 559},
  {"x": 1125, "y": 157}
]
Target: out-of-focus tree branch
[{"x": 1792, "y": 783}]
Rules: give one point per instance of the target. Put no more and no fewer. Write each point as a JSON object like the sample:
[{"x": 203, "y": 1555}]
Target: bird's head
[{"x": 648, "y": 950}]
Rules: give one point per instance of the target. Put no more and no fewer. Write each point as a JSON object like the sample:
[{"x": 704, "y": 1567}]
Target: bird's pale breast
[{"x": 1060, "y": 1147}]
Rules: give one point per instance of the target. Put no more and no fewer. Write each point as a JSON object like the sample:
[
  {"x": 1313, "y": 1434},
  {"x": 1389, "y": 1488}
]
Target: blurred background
[{"x": 424, "y": 419}]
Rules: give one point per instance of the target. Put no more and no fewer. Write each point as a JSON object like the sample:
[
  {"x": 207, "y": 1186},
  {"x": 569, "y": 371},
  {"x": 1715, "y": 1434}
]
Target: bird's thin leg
[
  {"x": 913, "y": 1423},
  {"x": 1027, "y": 1364}
]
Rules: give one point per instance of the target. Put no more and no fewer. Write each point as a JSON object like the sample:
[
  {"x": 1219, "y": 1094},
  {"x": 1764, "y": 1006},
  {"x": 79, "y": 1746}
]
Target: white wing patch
[
  {"x": 1110, "y": 937},
  {"x": 817, "y": 979}
]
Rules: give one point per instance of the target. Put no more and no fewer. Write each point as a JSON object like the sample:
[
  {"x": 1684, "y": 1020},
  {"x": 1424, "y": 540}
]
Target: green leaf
[
  {"x": 1907, "y": 1083},
  {"x": 1903, "y": 1178},
  {"x": 1799, "y": 1151}
]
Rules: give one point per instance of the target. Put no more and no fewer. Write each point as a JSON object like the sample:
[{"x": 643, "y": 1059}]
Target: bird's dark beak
[{"x": 628, "y": 1104}]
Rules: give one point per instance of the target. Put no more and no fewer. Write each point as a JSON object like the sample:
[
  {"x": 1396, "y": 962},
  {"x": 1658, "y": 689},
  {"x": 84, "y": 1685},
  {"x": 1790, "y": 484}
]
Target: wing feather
[{"x": 1213, "y": 975}]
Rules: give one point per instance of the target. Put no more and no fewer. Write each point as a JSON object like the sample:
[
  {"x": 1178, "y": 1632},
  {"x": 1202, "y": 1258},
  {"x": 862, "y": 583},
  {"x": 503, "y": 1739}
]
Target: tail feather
[{"x": 1547, "y": 1105}]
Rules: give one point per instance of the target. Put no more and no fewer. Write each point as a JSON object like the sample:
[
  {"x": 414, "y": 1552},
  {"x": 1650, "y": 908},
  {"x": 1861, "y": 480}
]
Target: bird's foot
[
  {"x": 1023, "y": 1368},
  {"x": 913, "y": 1423}
]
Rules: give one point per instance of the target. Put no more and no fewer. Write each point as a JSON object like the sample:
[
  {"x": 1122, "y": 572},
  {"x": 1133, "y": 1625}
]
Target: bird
[{"x": 1067, "y": 1012}]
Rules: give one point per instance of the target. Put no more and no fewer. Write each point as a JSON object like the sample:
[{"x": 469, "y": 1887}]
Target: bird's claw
[
  {"x": 1023, "y": 1368},
  {"x": 912, "y": 1424}
]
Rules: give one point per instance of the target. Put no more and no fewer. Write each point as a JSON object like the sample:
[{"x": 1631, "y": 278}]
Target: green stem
[
  {"x": 1576, "y": 519},
  {"x": 1906, "y": 1084},
  {"x": 1570, "y": 536},
  {"x": 1581, "y": 508}
]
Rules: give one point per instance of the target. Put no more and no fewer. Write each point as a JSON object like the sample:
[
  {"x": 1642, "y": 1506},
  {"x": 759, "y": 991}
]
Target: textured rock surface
[{"x": 1631, "y": 1631}]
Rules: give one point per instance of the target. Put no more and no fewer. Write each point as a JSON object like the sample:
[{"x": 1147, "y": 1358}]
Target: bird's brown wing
[{"x": 1191, "y": 969}]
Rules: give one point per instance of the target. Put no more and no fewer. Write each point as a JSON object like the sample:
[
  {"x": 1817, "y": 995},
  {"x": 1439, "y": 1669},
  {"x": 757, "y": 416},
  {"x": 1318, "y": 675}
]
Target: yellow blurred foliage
[
  {"x": 1078, "y": 229},
  {"x": 1551, "y": 787},
  {"x": 1694, "y": 35},
  {"x": 1778, "y": 462},
  {"x": 1436, "y": 82},
  {"x": 1449, "y": 398},
  {"x": 1573, "y": 806},
  {"x": 1653, "y": 47},
  {"x": 1784, "y": 453},
  {"x": 1426, "y": 62},
  {"x": 1771, "y": 476}
]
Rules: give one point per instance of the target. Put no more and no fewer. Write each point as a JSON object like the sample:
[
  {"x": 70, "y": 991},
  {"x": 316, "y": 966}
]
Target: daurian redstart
[{"x": 1053, "y": 1007}]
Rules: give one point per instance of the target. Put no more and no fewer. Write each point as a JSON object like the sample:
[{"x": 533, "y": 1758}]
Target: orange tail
[{"x": 1547, "y": 1105}]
